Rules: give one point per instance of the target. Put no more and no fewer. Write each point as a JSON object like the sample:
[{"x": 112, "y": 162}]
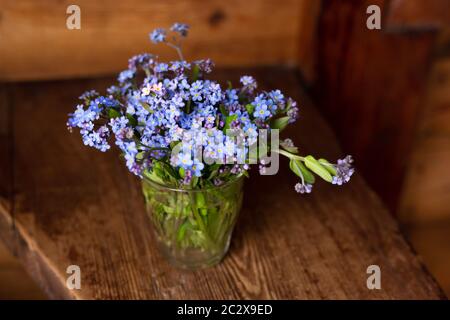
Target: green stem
[
  {"x": 289, "y": 155},
  {"x": 200, "y": 222},
  {"x": 177, "y": 48}
]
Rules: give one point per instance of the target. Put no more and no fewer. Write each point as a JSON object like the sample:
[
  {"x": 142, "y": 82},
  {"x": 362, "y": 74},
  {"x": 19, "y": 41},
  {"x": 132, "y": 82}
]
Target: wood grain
[
  {"x": 417, "y": 14},
  {"x": 370, "y": 85},
  {"x": 78, "y": 206},
  {"x": 310, "y": 11},
  {"x": 15, "y": 282},
  {"x": 426, "y": 193},
  {"x": 35, "y": 43}
]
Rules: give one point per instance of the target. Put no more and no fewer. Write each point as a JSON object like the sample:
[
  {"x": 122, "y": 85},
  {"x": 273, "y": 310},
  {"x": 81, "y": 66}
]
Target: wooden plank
[
  {"x": 426, "y": 196},
  {"x": 15, "y": 283},
  {"x": 432, "y": 242},
  {"x": 35, "y": 43},
  {"x": 78, "y": 206},
  {"x": 6, "y": 163},
  {"x": 307, "y": 39},
  {"x": 370, "y": 84},
  {"x": 418, "y": 14}
]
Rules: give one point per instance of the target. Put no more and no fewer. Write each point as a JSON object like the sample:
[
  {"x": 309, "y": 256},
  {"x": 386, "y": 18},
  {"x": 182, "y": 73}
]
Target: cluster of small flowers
[
  {"x": 170, "y": 113},
  {"x": 344, "y": 170},
  {"x": 175, "y": 103},
  {"x": 84, "y": 120}
]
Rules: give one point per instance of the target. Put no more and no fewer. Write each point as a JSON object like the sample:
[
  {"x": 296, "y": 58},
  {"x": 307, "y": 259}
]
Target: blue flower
[
  {"x": 177, "y": 101},
  {"x": 180, "y": 28},
  {"x": 197, "y": 167},
  {"x": 251, "y": 130},
  {"x": 303, "y": 188},
  {"x": 118, "y": 123},
  {"x": 197, "y": 86},
  {"x": 89, "y": 95},
  {"x": 276, "y": 96},
  {"x": 231, "y": 95},
  {"x": 292, "y": 112},
  {"x": 344, "y": 170},
  {"x": 125, "y": 75},
  {"x": 97, "y": 139},
  {"x": 196, "y": 96},
  {"x": 179, "y": 66},
  {"x": 77, "y": 118},
  {"x": 185, "y": 160},
  {"x": 183, "y": 84},
  {"x": 205, "y": 65},
  {"x": 261, "y": 111},
  {"x": 247, "y": 80},
  {"x": 158, "y": 35},
  {"x": 140, "y": 60},
  {"x": 161, "y": 67}
]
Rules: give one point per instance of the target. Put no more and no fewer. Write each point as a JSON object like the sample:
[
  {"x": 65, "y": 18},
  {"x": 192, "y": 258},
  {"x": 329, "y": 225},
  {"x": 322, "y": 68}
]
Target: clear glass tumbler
[{"x": 193, "y": 227}]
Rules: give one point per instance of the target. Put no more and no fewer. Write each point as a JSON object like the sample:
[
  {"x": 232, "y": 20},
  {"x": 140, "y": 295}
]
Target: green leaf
[
  {"x": 213, "y": 174},
  {"x": 188, "y": 106},
  {"x": 152, "y": 176},
  {"x": 300, "y": 170},
  {"x": 140, "y": 155},
  {"x": 173, "y": 144},
  {"x": 317, "y": 168},
  {"x": 279, "y": 123},
  {"x": 113, "y": 113},
  {"x": 132, "y": 120},
  {"x": 250, "y": 108},
  {"x": 309, "y": 177},
  {"x": 293, "y": 164},
  {"x": 200, "y": 200},
  {"x": 290, "y": 149},
  {"x": 195, "y": 72},
  {"x": 169, "y": 171},
  {"x": 146, "y": 106},
  {"x": 327, "y": 166},
  {"x": 229, "y": 120},
  {"x": 223, "y": 110},
  {"x": 182, "y": 231},
  {"x": 181, "y": 172},
  {"x": 194, "y": 181}
]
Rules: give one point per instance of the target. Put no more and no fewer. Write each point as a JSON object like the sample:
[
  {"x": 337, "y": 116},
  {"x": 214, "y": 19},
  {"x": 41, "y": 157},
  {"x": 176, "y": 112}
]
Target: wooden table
[{"x": 65, "y": 204}]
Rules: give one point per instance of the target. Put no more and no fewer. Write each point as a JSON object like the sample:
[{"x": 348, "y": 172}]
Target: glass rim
[{"x": 226, "y": 184}]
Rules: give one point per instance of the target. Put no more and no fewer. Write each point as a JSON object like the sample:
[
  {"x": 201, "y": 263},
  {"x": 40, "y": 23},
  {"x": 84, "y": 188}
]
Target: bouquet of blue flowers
[{"x": 177, "y": 129}]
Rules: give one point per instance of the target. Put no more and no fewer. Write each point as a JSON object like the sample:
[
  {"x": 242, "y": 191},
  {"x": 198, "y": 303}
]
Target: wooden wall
[
  {"x": 35, "y": 43},
  {"x": 426, "y": 192},
  {"x": 418, "y": 14},
  {"x": 370, "y": 86}
]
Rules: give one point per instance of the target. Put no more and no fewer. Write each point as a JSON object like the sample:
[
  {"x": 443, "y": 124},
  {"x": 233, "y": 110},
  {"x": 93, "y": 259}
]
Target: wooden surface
[
  {"x": 418, "y": 14},
  {"x": 432, "y": 241},
  {"x": 425, "y": 203},
  {"x": 15, "y": 283},
  {"x": 74, "y": 205},
  {"x": 35, "y": 43},
  {"x": 426, "y": 196},
  {"x": 370, "y": 85}
]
